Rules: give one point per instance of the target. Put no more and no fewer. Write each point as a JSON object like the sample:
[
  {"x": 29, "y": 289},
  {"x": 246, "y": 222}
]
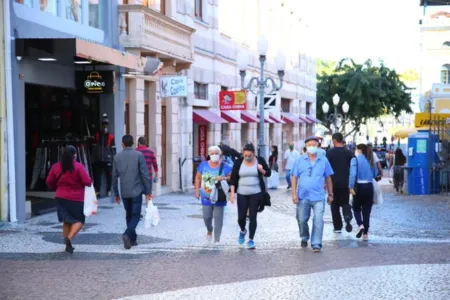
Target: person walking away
[
  {"x": 340, "y": 158},
  {"x": 150, "y": 160},
  {"x": 310, "y": 173},
  {"x": 273, "y": 159},
  {"x": 69, "y": 179},
  {"x": 208, "y": 174},
  {"x": 362, "y": 171},
  {"x": 289, "y": 159},
  {"x": 130, "y": 167},
  {"x": 229, "y": 154},
  {"x": 399, "y": 162},
  {"x": 247, "y": 181}
]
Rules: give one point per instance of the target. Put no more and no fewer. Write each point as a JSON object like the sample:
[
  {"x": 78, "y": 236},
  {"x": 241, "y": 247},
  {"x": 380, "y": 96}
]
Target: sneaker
[
  {"x": 337, "y": 231},
  {"x": 360, "y": 231},
  {"x": 69, "y": 247},
  {"x": 316, "y": 249},
  {"x": 365, "y": 237},
  {"x": 348, "y": 227},
  {"x": 251, "y": 245},
  {"x": 209, "y": 238},
  {"x": 289, "y": 187},
  {"x": 242, "y": 235},
  {"x": 126, "y": 241},
  {"x": 304, "y": 244},
  {"x": 133, "y": 244}
]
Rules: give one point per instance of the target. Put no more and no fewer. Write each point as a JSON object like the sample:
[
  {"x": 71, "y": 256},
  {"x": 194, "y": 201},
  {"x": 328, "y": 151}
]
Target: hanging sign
[
  {"x": 173, "y": 86},
  {"x": 229, "y": 100},
  {"x": 95, "y": 82},
  {"x": 423, "y": 119},
  {"x": 202, "y": 140}
]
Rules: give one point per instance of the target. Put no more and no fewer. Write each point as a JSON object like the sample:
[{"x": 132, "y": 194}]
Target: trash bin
[{"x": 197, "y": 160}]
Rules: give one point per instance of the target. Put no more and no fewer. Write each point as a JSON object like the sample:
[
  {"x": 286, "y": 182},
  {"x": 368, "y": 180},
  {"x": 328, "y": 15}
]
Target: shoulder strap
[{"x": 221, "y": 168}]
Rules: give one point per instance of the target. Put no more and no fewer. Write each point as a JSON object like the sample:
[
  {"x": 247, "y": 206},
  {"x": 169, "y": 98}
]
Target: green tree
[{"x": 371, "y": 91}]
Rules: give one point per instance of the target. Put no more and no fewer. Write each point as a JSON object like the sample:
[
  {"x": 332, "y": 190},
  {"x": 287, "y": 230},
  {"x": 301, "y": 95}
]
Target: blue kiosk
[{"x": 421, "y": 156}]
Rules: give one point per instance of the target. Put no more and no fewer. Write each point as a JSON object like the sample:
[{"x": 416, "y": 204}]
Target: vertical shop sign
[{"x": 202, "y": 140}]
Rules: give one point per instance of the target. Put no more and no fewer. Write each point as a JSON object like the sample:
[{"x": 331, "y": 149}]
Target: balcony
[{"x": 154, "y": 34}]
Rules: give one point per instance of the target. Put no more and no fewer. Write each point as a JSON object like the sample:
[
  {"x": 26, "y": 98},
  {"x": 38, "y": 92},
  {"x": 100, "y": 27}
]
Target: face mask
[
  {"x": 311, "y": 149},
  {"x": 249, "y": 158},
  {"x": 291, "y": 147},
  {"x": 215, "y": 158}
]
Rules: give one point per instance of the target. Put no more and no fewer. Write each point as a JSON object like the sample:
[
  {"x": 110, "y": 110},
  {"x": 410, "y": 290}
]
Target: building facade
[{"x": 197, "y": 39}]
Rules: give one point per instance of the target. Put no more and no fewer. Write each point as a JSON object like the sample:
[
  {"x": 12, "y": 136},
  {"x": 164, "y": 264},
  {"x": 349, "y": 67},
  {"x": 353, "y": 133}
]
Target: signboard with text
[
  {"x": 95, "y": 82},
  {"x": 232, "y": 100},
  {"x": 423, "y": 119},
  {"x": 173, "y": 86},
  {"x": 202, "y": 140}
]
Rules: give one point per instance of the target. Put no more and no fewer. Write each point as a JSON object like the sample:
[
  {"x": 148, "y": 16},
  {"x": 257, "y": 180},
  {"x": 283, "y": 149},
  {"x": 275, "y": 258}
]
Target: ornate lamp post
[
  {"x": 262, "y": 83},
  {"x": 334, "y": 117}
]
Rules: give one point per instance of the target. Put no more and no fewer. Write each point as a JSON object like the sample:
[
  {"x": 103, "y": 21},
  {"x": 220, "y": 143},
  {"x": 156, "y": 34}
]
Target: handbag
[
  {"x": 265, "y": 196},
  {"x": 221, "y": 197}
]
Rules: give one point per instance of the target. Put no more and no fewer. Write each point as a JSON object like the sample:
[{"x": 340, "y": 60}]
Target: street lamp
[
  {"x": 332, "y": 118},
  {"x": 261, "y": 82}
]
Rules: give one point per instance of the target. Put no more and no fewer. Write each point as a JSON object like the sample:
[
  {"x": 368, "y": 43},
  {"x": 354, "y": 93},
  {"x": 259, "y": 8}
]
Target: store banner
[
  {"x": 232, "y": 100},
  {"x": 202, "y": 140},
  {"x": 95, "y": 82},
  {"x": 173, "y": 86},
  {"x": 423, "y": 119}
]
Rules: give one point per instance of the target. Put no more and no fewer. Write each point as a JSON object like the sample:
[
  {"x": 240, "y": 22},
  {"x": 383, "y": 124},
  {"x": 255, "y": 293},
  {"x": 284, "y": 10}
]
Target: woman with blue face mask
[{"x": 208, "y": 174}]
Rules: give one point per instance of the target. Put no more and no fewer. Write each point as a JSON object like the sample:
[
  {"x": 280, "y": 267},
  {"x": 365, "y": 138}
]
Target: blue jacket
[{"x": 365, "y": 171}]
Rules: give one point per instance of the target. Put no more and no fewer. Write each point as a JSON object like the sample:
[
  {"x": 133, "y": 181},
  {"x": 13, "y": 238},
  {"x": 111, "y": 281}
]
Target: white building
[{"x": 201, "y": 40}]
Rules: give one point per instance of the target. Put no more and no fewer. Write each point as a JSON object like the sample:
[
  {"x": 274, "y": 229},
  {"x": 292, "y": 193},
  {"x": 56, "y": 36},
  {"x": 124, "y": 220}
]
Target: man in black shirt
[{"x": 339, "y": 158}]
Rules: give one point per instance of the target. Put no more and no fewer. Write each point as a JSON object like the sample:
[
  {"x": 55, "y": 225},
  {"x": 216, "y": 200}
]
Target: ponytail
[{"x": 368, "y": 153}]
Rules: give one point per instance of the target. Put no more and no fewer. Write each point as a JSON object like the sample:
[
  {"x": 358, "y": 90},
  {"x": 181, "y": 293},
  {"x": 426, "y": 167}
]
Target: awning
[
  {"x": 314, "y": 119},
  {"x": 230, "y": 117},
  {"x": 291, "y": 118},
  {"x": 248, "y": 117},
  {"x": 275, "y": 119},
  {"x": 201, "y": 116},
  {"x": 266, "y": 119},
  {"x": 305, "y": 119}
]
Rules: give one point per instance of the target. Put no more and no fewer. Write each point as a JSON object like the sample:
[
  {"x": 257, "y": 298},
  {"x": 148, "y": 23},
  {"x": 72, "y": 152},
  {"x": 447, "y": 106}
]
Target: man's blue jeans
[
  {"x": 303, "y": 213},
  {"x": 288, "y": 177},
  {"x": 133, "y": 208}
]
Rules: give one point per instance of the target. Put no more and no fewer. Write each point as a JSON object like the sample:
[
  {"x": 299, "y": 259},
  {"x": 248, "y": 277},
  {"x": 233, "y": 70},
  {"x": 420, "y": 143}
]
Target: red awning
[
  {"x": 230, "y": 117},
  {"x": 248, "y": 117},
  {"x": 314, "y": 119},
  {"x": 305, "y": 119},
  {"x": 291, "y": 118},
  {"x": 266, "y": 119},
  {"x": 201, "y": 116},
  {"x": 276, "y": 120}
]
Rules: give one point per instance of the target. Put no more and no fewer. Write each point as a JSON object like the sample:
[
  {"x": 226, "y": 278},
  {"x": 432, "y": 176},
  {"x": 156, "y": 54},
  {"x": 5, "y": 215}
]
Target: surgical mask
[
  {"x": 311, "y": 149},
  {"x": 215, "y": 158},
  {"x": 248, "y": 158},
  {"x": 291, "y": 147}
]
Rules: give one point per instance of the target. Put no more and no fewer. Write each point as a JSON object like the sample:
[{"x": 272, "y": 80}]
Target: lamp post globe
[
  {"x": 325, "y": 108},
  {"x": 336, "y": 99},
  {"x": 263, "y": 46},
  {"x": 345, "y": 107}
]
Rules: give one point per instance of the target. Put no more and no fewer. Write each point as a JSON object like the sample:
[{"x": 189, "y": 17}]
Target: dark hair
[
  {"x": 249, "y": 147},
  {"x": 127, "y": 140},
  {"x": 275, "y": 150},
  {"x": 338, "y": 137},
  {"x": 142, "y": 141},
  {"x": 67, "y": 159},
  {"x": 367, "y": 152},
  {"x": 399, "y": 157}
]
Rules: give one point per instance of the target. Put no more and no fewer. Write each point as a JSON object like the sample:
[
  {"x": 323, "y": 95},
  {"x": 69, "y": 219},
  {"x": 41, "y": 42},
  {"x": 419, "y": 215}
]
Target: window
[
  {"x": 308, "y": 108},
  {"x": 94, "y": 14},
  {"x": 445, "y": 70},
  {"x": 159, "y": 5},
  {"x": 223, "y": 88},
  {"x": 73, "y": 10},
  {"x": 199, "y": 9},
  {"x": 201, "y": 91},
  {"x": 49, "y": 6},
  {"x": 28, "y": 3}
]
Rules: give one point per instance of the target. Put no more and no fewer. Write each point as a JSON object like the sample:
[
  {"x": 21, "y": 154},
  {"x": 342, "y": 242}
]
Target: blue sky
[{"x": 361, "y": 29}]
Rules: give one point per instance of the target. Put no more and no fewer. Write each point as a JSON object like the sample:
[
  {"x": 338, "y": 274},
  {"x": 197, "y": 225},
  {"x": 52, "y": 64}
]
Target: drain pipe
[
  {"x": 9, "y": 114},
  {"x": 3, "y": 160}
]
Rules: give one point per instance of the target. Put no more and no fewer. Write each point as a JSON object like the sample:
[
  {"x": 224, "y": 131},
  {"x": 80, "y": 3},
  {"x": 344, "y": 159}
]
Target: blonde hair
[{"x": 214, "y": 148}]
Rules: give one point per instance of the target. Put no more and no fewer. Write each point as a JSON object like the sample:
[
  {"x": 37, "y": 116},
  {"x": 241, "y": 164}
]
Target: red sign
[
  {"x": 202, "y": 140},
  {"x": 229, "y": 100}
]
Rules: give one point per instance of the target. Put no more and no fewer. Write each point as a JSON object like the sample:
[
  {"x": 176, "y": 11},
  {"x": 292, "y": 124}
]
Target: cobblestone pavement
[{"x": 407, "y": 256}]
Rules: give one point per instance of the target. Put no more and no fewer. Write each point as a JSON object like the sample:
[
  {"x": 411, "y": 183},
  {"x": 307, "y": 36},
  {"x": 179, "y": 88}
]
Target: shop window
[
  {"x": 50, "y": 6},
  {"x": 28, "y": 3},
  {"x": 94, "y": 13},
  {"x": 201, "y": 91},
  {"x": 199, "y": 9},
  {"x": 308, "y": 108},
  {"x": 73, "y": 10},
  {"x": 445, "y": 74}
]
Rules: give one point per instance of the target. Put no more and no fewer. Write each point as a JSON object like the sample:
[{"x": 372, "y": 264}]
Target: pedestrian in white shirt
[{"x": 290, "y": 156}]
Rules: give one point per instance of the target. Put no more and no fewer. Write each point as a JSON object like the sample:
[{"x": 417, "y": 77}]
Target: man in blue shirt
[{"x": 310, "y": 173}]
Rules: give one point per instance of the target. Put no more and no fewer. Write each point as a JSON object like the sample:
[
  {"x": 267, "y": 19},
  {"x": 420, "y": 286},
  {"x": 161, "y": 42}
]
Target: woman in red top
[{"x": 69, "y": 178}]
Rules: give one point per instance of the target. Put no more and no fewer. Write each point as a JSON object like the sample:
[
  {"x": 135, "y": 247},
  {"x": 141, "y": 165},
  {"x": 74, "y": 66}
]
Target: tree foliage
[{"x": 371, "y": 92}]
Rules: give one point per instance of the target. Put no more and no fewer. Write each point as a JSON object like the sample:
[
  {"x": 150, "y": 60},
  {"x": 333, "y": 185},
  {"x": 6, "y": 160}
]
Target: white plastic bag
[
  {"x": 151, "y": 215},
  {"x": 377, "y": 194},
  {"x": 225, "y": 186},
  {"x": 274, "y": 180},
  {"x": 90, "y": 201},
  {"x": 214, "y": 195},
  {"x": 391, "y": 172}
]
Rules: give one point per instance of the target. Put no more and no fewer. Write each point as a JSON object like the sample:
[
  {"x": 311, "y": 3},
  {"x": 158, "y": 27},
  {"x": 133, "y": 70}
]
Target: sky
[{"x": 361, "y": 29}]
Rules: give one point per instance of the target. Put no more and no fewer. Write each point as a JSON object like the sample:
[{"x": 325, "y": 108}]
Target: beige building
[{"x": 192, "y": 38}]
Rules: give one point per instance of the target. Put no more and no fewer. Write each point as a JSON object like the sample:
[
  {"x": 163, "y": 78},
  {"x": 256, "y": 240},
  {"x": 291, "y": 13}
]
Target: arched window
[
  {"x": 445, "y": 73},
  {"x": 446, "y": 45}
]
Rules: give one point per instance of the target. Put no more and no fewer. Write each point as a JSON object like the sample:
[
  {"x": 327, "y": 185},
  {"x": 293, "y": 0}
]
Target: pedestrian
[
  {"x": 150, "y": 160},
  {"x": 320, "y": 150},
  {"x": 209, "y": 173},
  {"x": 69, "y": 179},
  {"x": 340, "y": 157},
  {"x": 289, "y": 159},
  {"x": 362, "y": 171},
  {"x": 310, "y": 173},
  {"x": 247, "y": 181},
  {"x": 273, "y": 158},
  {"x": 229, "y": 154},
  {"x": 377, "y": 162},
  {"x": 399, "y": 176},
  {"x": 130, "y": 167}
]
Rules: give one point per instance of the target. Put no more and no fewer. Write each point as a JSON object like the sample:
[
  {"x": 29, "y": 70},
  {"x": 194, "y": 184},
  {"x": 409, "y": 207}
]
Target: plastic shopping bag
[
  {"x": 274, "y": 180},
  {"x": 377, "y": 194},
  {"x": 214, "y": 195},
  {"x": 391, "y": 172},
  {"x": 90, "y": 201},
  {"x": 225, "y": 186},
  {"x": 151, "y": 215}
]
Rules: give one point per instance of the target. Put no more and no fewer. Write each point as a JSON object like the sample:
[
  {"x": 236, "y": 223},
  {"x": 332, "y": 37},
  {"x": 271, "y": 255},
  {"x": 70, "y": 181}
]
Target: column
[
  {"x": 154, "y": 123},
  {"x": 187, "y": 138},
  {"x": 137, "y": 107},
  {"x": 173, "y": 138}
]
